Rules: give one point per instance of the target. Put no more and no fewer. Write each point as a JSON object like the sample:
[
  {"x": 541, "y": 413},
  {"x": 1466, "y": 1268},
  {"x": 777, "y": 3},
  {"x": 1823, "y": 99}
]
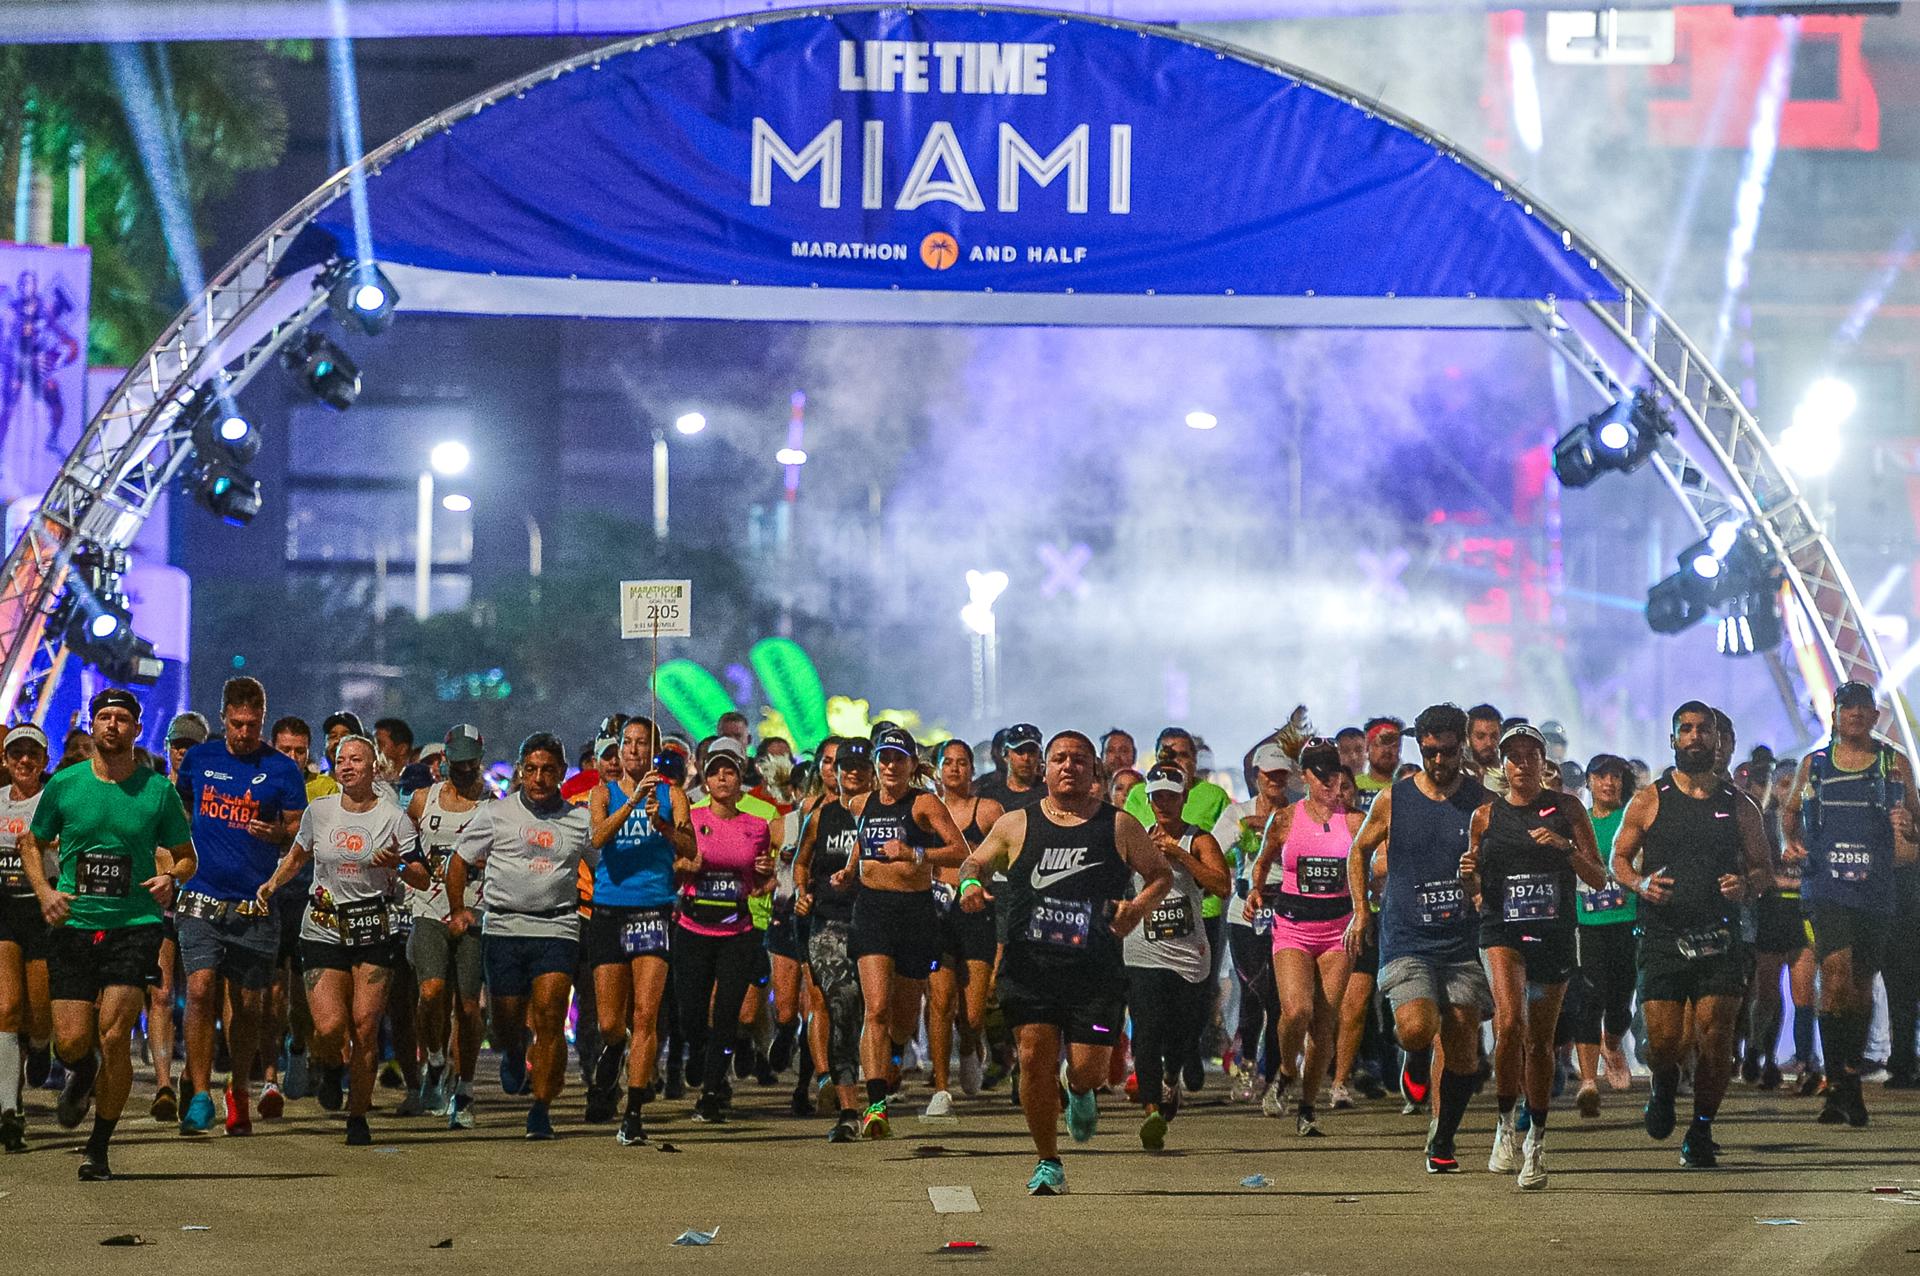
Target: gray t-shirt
[
  {"x": 439, "y": 832},
  {"x": 343, "y": 844},
  {"x": 1172, "y": 937},
  {"x": 532, "y": 888},
  {"x": 15, "y": 819}
]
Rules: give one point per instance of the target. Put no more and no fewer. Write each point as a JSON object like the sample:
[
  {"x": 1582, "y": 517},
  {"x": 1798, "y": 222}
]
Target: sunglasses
[{"x": 1439, "y": 750}]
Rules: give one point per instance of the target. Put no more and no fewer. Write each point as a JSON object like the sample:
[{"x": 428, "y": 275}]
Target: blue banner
[{"x": 958, "y": 151}]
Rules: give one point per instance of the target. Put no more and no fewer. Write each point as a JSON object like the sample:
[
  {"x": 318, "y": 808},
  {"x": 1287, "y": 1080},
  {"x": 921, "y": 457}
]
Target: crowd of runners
[{"x": 321, "y": 916}]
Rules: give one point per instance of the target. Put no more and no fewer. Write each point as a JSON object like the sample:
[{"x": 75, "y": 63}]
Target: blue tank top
[
  {"x": 1850, "y": 833},
  {"x": 636, "y": 867},
  {"x": 1424, "y": 911}
]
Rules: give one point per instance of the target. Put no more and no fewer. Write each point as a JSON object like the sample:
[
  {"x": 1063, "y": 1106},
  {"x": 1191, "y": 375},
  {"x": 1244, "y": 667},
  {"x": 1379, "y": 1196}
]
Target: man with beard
[
  {"x": 1705, "y": 852},
  {"x": 1483, "y": 743},
  {"x": 1020, "y": 785},
  {"x": 1849, "y": 802}
]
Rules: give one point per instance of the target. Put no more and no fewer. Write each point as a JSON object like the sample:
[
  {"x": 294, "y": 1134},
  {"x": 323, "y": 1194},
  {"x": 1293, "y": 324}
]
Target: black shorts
[
  {"x": 1837, "y": 928},
  {"x": 903, "y": 925},
  {"x": 1779, "y": 927},
  {"x": 1551, "y": 953},
  {"x": 1667, "y": 974},
  {"x": 600, "y": 936},
  {"x": 787, "y": 935},
  {"x": 22, "y": 923},
  {"x": 83, "y": 963},
  {"x": 1368, "y": 962},
  {"x": 514, "y": 962},
  {"x": 317, "y": 954},
  {"x": 967, "y": 937},
  {"x": 1091, "y": 1015}
]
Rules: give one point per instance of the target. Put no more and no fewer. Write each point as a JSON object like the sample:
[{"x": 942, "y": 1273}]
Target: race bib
[
  {"x": 1321, "y": 875},
  {"x": 1604, "y": 900},
  {"x": 1263, "y": 919},
  {"x": 1061, "y": 923},
  {"x": 437, "y": 857},
  {"x": 717, "y": 888},
  {"x": 943, "y": 896},
  {"x": 13, "y": 871},
  {"x": 1171, "y": 919},
  {"x": 362, "y": 923},
  {"x": 101, "y": 874},
  {"x": 1849, "y": 862},
  {"x": 1531, "y": 897},
  {"x": 1441, "y": 903},
  {"x": 1704, "y": 941},
  {"x": 644, "y": 936}
]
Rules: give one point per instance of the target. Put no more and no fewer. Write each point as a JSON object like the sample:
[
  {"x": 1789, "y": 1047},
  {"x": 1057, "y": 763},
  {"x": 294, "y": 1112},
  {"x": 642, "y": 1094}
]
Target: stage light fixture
[
  {"x": 362, "y": 295},
  {"x": 323, "y": 370},
  {"x": 226, "y": 491},
  {"x": 1618, "y": 439},
  {"x": 222, "y": 432},
  {"x": 1751, "y": 626},
  {"x": 1673, "y": 607},
  {"x": 95, "y": 620}
]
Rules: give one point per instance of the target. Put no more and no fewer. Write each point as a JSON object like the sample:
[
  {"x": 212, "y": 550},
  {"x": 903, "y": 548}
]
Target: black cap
[
  {"x": 114, "y": 698},
  {"x": 854, "y": 752},
  {"x": 1022, "y": 735},
  {"x": 1320, "y": 756},
  {"x": 351, "y": 721},
  {"x": 897, "y": 739},
  {"x": 1853, "y": 695}
]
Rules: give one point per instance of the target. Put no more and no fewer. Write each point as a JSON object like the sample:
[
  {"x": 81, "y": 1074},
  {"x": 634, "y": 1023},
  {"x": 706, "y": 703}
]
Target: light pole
[
  {"x": 689, "y": 424},
  {"x": 448, "y": 458},
  {"x": 983, "y": 588}
]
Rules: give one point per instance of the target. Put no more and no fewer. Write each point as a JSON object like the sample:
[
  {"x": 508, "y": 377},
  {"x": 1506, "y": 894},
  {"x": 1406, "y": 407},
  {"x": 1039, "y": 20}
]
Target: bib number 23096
[{"x": 1061, "y": 923}]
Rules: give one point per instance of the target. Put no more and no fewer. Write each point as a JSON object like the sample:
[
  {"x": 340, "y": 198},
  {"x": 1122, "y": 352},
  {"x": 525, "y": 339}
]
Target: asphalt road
[{"x": 294, "y": 1199}]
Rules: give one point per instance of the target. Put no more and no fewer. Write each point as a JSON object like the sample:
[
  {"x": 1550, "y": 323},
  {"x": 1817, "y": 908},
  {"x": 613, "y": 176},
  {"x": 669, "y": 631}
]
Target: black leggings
[
  {"x": 710, "y": 977},
  {"x": 1168, "y": 1015},
  {"x": 1259, "y": 997},
  {"x": 1606, "y": 975}
]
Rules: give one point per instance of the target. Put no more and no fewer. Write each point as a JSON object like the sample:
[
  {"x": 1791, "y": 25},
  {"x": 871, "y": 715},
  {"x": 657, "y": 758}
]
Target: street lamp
[
  {"x": 450, "y": 457},
  {"x": 983, "y": 588}
]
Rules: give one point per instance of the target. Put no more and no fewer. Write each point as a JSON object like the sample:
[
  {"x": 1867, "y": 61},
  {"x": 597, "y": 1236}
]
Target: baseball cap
[
  {"x": 1166, "y": 779},
  {"x": 432, "y": 751},
  {"x": 27, "y": 731},
  {"x": 853, "y": 753},
  {"x": 608, "y": 744},
  {"x": 1522, "y": 731},
  {"x": 1321, "y": 756},
  {"x": 188, "y": 728},
  {"x": 1853, "y": 695},
  {"x": 897, "y": 739},
  {"x": 726, "y": 749},
  {"x": 464, "y": 743},
  {"x": 1022, "y": 735},
  {"x": 351, "y": 721},
  {"x": 1271, "y": 757}
]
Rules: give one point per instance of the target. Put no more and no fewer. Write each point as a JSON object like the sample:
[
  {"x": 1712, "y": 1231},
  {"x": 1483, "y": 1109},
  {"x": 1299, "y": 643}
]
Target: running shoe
[
  {"x": 764, "y": 1073},
  {"x": 93, "y": 1167},
  {"x": 631, "y": 1132},
  {"x": 1533, "y": 1162},
  {"x": 39, "y": 1064},
  {"x": 826, "y": 1100},
  {"x": 513, "y": 1071},
  {"x": 198, "y": 1118},
  {"x": 1505, "y": 1157},
  {"x": 435, "y": 1090},
  {"x": 239, "y": 1120},
  {"x": 1048, "y": 1180},
  {"x": 166, "y": 1106},
  {"x": 939, "y": 1107},
  {"x": 1440, "y": 1160},
  {"x": 1619, "y": 1074},
  {"x": 297, "y": 1079},
  {"x": 1522, "y": 1117},
  {"x": 330, "y": 1093},
  {"x": 1153, "y": 1132},
  {"x": 272, "y": 1101},
  {"x": 1697, "y": 1151},
  {"x": 1274, "y": 1102},
  {"x": 801, "y": 1104},
  {"x": 845, "y": 1130},
  {"x": 1409, "y": 1108},
  {"x": 1194, "y": 1076},
  {"x": 602, "y": 1105},
  {"x": 1659, "y": 1115},
  {"x": 460, "y": 1112},
  {"x": 676, "y": 1082},
  {"x": 1810, "y": 1083},
  {"x": 391, "y": 1078},
  {"x": 1306, "y": 1127},
  {"x": 972, "y": 1073},
  {"x": 874, "y": 1123},
  {"x": 539, "y": 1122},
  {"x": 13, "y": 1132},
  {"x": 711, "y": 1109},
  {"x": 1856, "y": 1106},
  {"x": 1588, "y": 1100},
  {"x": 412, "y": 1104},
  {"x": 1367, "y": 1084},
  {"x": 1834, "y": 1110},
  {"x": 358, "y": 1135},
  {"x": 1342, "y": 1097},
  {"x": 76, "y": 1096},
  {"x": 1770, "y": 1076},
  {"x": 1413, "y": 1091},
  {"x": 1750, "y": 1068},
  {"x": 1241, "y": 1088},
  {"x": 1083, "y": 1115}
]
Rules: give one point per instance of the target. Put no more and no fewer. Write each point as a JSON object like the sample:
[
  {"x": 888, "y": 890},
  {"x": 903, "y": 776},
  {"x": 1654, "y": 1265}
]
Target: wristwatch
[{"x": 919, "y": 856}]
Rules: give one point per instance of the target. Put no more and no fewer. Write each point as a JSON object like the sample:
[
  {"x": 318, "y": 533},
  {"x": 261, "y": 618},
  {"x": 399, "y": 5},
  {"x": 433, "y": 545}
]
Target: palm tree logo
[{"x": 939, "y": 250}]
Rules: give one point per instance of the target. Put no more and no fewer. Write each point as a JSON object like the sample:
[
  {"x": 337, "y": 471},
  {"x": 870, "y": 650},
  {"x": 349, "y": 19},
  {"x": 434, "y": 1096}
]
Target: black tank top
[
  {"x": 1524, "y": 884},
  {"x": 1694, "y": 841},
  {"x": 1059, "y": 898},
  {"x": 971, "y": 830},
  {"x": 883, "y": 822},
  {"x": 832, "y": 846}
]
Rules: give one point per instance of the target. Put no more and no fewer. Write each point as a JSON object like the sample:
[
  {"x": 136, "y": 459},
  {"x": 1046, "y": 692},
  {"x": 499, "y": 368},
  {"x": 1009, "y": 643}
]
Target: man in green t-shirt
[{"x": 125, "y": 848}]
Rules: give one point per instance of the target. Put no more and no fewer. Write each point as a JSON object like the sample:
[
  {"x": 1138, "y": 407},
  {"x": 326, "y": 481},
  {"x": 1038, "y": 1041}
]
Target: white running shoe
[
  {"x": 971, "y": 1071},
  {"x": 1505, "y": 1158},
  {"x": 939, "y": 1107},
  {"x": 1533, "y": 1162},
  {"x": 1342, "y": 1097},
  {"x": 1274, "y": 1102},
  {"x": 1242, "y": 1087}
]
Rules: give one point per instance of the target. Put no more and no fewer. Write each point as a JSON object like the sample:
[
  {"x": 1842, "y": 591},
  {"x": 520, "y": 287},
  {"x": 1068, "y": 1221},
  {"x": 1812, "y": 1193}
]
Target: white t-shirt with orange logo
[
  {"x": 15, "y": 819},
  {"x": 343, "y": 844},
  {"x": 532, "y": 888}
]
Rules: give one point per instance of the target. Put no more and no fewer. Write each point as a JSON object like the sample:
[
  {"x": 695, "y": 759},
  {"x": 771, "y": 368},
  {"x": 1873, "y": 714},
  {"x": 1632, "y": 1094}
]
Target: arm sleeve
[{"x": 476, "y": 839}]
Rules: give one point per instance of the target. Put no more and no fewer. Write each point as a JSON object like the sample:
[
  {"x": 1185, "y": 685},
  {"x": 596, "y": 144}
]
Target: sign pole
[{"x": 653, "y": 687}]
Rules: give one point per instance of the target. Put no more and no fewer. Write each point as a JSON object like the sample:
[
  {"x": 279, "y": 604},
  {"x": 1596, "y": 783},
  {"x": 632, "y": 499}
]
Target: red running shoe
[{"x": 238, "y": 1120}]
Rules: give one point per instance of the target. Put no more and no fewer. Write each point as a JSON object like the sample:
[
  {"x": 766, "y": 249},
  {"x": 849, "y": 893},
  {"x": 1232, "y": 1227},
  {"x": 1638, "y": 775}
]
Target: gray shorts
[
  {"x": 434, "y": 953},
  {"x": 1444, "y": 983},
  {"x": 242, "y": 949}
]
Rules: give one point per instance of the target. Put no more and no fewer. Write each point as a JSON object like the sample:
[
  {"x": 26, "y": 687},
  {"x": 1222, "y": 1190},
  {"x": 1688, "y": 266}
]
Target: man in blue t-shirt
[{"x": 245, "y": 801}]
